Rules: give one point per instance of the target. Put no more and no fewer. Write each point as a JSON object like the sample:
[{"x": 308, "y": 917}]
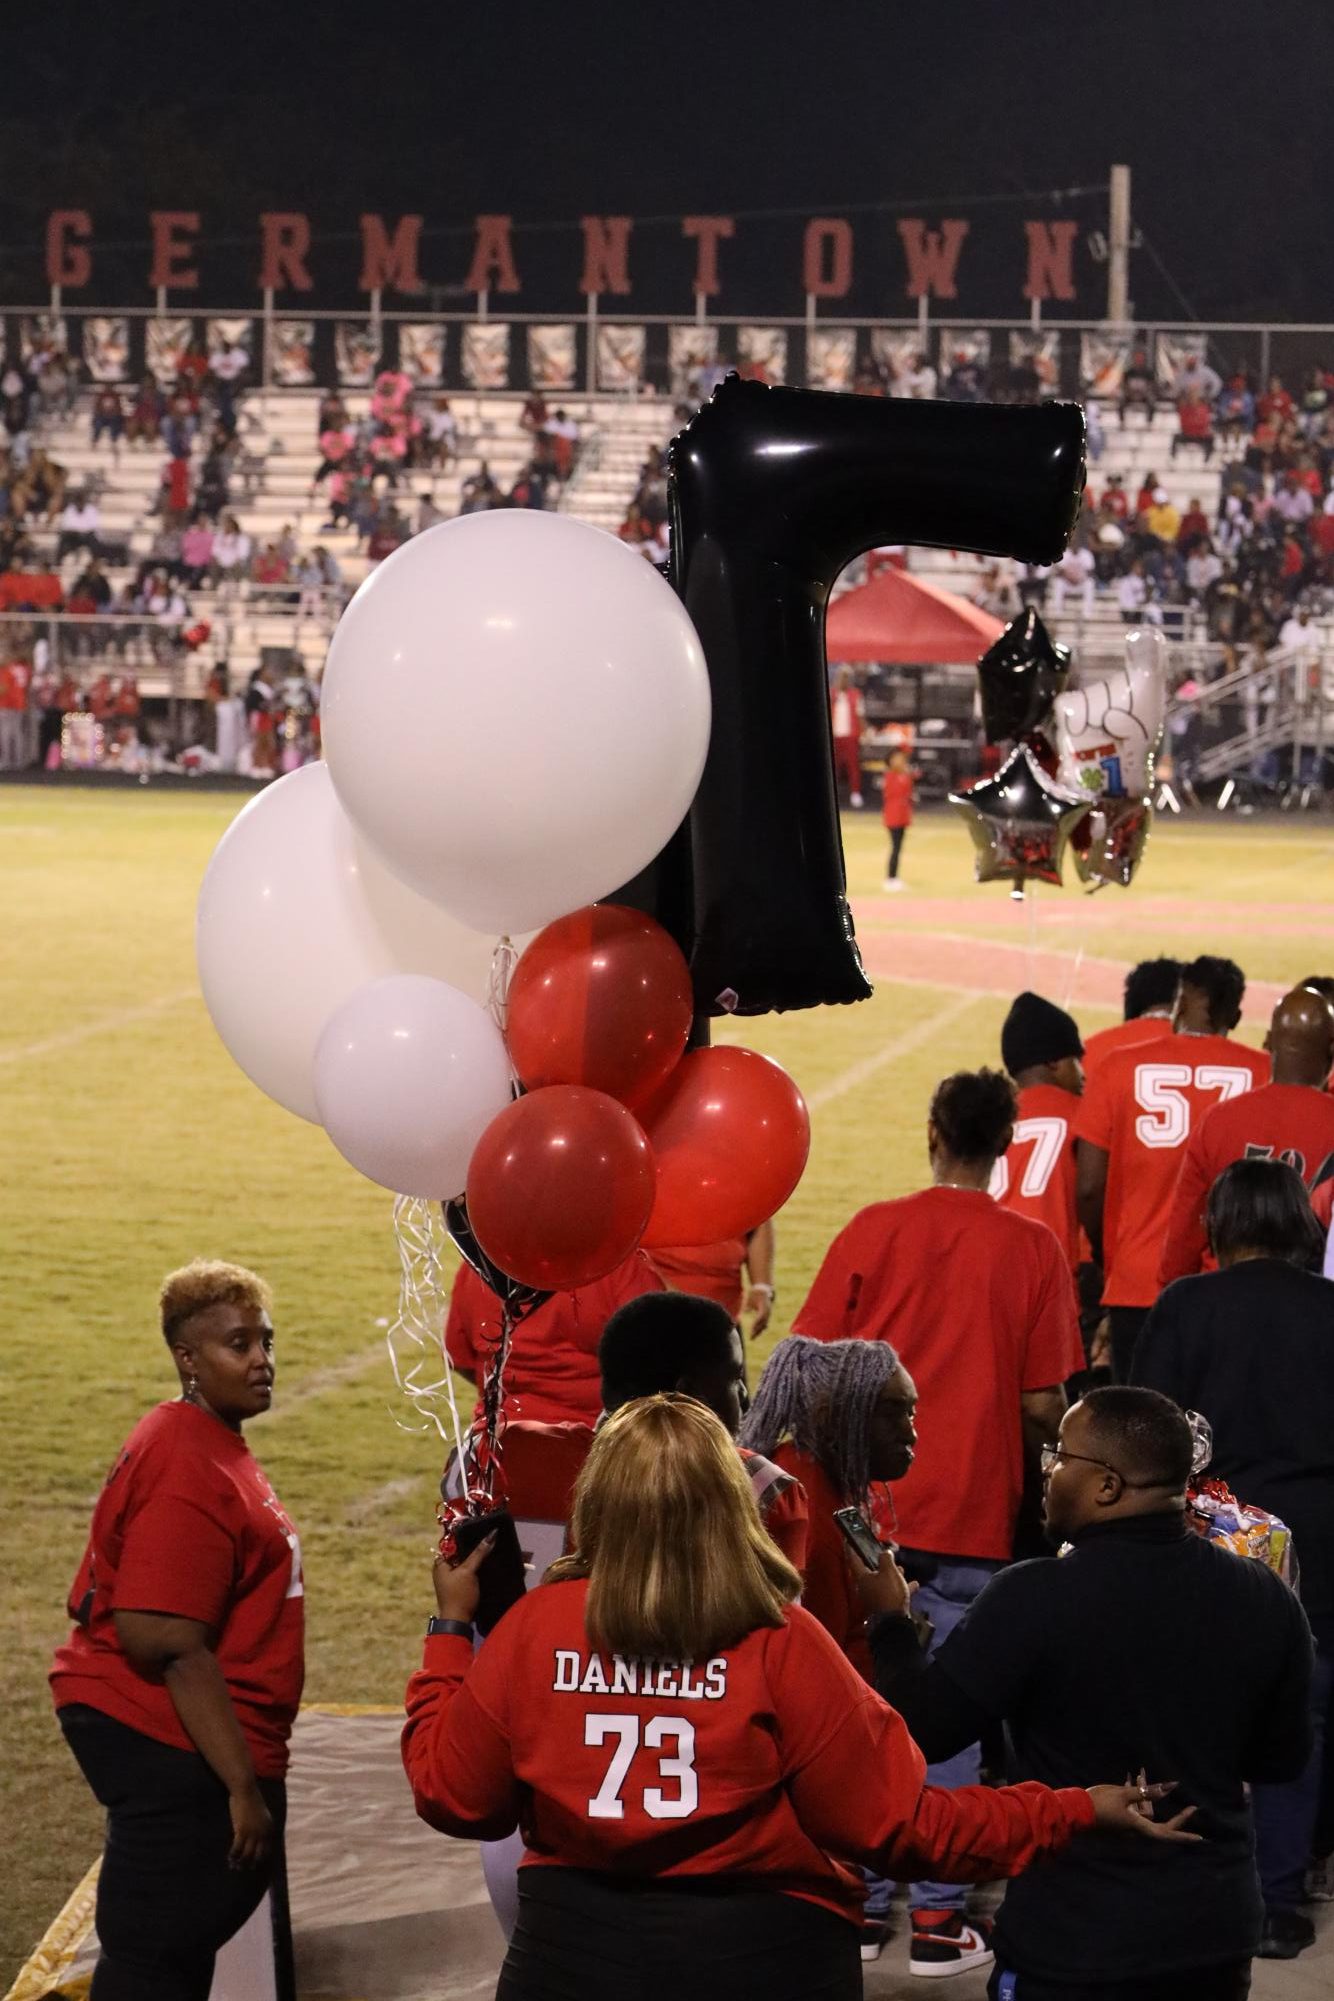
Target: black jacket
[
  {"x": 1252, "y": 1348},
  {"x": 1143, "y": 1647}
]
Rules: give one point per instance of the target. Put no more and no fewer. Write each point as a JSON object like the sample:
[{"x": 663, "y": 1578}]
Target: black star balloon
[
  {"x": 1020, "y": 677},
  {"x": 1020, "y": 822}
]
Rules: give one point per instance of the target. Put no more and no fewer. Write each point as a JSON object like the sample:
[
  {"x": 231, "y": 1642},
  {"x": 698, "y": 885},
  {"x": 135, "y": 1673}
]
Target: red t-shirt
[
  {"x": 827, "y": 1590},
  {"x": 1292, "y": 1122},
  {"x": 187, "y": 1524},
  {"x": 1196, "y": 419},
  {"x": 1140, "y": 1107},
  {"x": 1116, "y": 501},
  {"x": 552, "y": 1373},
  {"x": 713, "y": 1271},
  {"x": 766, "y": 1763},
  {"x": 1037, "y": 1176},
  {"x": 981, "y": 1306},
  {"x": 898, "y": 791},
  {"x": 1104, "y": 1042},
  {"x": 15, "y": 680}
]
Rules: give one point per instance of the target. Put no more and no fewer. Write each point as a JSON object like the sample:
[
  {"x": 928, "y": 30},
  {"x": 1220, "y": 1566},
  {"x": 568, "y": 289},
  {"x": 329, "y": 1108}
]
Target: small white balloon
[
  {"x": 409, "y": 1073},
  {"x": 516, "y": 713},
  {"x": 295, "y": 914},
  {"x": 1107, "y": 729}
]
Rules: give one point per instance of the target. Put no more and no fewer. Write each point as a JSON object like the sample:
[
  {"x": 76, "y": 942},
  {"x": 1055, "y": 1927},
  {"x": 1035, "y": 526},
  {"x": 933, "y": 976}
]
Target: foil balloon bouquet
[{"x": 1080, "y": 771}]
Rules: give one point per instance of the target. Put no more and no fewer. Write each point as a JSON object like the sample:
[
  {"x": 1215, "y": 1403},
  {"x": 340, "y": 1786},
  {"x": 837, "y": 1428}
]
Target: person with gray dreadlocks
[
  {"x": 980, "y": 1305},
  {"x": 838, "y": 1417}
]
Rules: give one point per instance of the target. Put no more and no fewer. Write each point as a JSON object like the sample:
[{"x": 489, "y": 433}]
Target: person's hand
[
  {"x": 457, "y": 1585},
  {"x": 883, "y": 1590},
  {"x": 1100, "y": 1347},
  {"x": 759, "y": 1300},
  {"x": 252, "y": 1829},
  {"x": 1128, "y": 1809}
]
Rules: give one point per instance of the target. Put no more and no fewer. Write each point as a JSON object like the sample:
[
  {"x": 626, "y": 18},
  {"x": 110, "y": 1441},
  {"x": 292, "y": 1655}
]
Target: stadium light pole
[{"x": 1118, "y": 247}]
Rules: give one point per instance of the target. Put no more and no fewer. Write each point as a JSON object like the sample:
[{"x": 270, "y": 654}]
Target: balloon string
[
  {"x": 1031, "y": 899},
  {"x": 423, "y": 1301},
  {"x": 484, "y": 1482},
  {"x": 503, "y": 961}
]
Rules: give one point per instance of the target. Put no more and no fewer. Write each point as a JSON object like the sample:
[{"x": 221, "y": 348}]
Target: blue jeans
[
  {"x": 944, "y": 1600},
  {"x": 1285, "y": 1816}
]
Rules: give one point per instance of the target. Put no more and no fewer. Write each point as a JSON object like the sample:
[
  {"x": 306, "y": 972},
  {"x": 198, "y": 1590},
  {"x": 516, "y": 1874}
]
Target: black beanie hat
[{"x": 1037, "y": 1031}]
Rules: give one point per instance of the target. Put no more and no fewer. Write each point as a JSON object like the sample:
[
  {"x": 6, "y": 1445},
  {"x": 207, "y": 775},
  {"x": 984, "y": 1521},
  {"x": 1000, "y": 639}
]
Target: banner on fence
[
  {"x": 165, "y": 343},
  {"x": 421, "y": 352},
  {"x": 1171, "y": 352},
  {"x": 551, "y": 357},
  {"x": 896, "y": 352},
  {"x": 1102, "y": 363},
  {"x": 831, "y": 357},
  {"x": 486, "y": 355},
  {"x": 1041, "y": 352},
  {"x": 236, "y": 331},
  {"x": 106, "y": 347},
  {"x": 762, "y": 353},
  {"x": 689, "y": 349},
  {"x": 293, "y": 353},
  {"x": 620, "y": 358},
  {"x": 960, "y": 347},
  {"x": 356, "y": 353}
]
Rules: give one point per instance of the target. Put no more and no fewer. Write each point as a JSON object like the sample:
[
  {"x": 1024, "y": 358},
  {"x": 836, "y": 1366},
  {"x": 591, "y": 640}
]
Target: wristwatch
[{"x": 436, "y": 1626}]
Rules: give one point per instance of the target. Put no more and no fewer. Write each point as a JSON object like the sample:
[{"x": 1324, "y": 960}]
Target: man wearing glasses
[{"x": 1145, "y": 1650}]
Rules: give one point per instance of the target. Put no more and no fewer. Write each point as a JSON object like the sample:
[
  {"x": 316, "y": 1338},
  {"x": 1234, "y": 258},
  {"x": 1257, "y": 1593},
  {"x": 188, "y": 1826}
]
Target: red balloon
[
  {"x": 560, "y": 1187},
  {"x": 730, "y": 1132},
  {"x": 601, "y": 998}
]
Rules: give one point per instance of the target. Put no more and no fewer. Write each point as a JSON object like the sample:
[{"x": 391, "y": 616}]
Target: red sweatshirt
[{"x": 766, "y": 1762}]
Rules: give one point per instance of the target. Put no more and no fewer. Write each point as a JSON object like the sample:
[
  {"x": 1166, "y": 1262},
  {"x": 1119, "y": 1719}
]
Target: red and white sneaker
[{"x": 948, "y": 1942}]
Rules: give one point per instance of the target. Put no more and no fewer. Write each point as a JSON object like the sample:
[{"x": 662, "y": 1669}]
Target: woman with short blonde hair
[
  {"x": 177, "y": 1687},
  {"x": 694, "y": 1765}
]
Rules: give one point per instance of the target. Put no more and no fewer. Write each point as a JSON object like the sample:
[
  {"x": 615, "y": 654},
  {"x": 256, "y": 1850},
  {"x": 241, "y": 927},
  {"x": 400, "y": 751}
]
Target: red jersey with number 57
[
  {"x": 1140, "y": 1108},
  {"x": 767, "y": 1762},
  {"x": 1290, "y": 1122},
  {"x": 1037, "y": 1176}
]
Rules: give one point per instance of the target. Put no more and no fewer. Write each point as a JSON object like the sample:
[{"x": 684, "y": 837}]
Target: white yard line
[
  {"x": 902, "y": 1045},
  {"x": 104, "y": 1024}
]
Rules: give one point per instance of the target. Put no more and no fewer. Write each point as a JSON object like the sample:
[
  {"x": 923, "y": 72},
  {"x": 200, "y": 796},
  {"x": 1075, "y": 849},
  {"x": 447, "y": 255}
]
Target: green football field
[{"x": 131, "y": 1143}]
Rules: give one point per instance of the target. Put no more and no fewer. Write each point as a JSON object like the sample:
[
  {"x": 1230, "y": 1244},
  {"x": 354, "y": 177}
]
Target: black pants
[
  {"x": 582, "y": 1937},
  {"x": 1201, "y": 1983},
  {"x": 166, "y": 1899},
  {"x": 895, "y": 848},
  {"x": 1127, "y": 1324}
]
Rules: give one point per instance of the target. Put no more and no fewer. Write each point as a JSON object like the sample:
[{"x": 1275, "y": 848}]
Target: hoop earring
[{"x": 191, "y": 1387}]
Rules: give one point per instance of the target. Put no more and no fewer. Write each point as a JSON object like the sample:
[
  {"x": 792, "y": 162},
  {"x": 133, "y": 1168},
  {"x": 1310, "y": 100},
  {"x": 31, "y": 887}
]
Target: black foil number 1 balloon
[{"x": 772, "y": 494}]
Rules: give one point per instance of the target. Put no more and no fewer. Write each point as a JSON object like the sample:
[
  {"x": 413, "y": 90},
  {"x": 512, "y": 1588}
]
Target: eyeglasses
[{"x": 1052, "y": 1455}]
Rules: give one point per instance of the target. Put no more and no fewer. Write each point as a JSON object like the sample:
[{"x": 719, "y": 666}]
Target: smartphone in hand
[{"x": 858, "y": 1532}]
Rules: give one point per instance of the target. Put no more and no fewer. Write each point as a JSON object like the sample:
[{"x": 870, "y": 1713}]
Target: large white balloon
[
  {"x": 516, "y": 712},
  {"x": 409, "y": 1073},
  {"x": 1108, "y": 728},
  {"x": 295, "y": 914}
]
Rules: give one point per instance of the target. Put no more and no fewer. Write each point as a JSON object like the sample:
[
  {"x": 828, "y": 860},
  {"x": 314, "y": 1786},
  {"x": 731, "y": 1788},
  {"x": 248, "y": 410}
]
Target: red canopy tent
[{"x": 901, "y": 620}]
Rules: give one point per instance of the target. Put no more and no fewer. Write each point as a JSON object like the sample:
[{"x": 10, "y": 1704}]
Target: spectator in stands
[
  {"x": 336, "y": 445},
  {"x": 1194, "y": 525},
  {"x": 1196, "y": 378},
  {"x": 1095, "y": 437},
  {"x": 226, "y": 365},
  {"x": 231, "y": 550},
  {"x": 1196, "y": 421},
  {"x": 1116, "y": 501},
  {"x": 479, "y": 491},
  {"x": 331, "y": 413},
  {"x": 144, "y": 423},
  {"x": 918, "y": 380},
  {"x": 1073, "y": 577},
  {"x": 90, "y": 592},
  {"x": 80, "y": 526},
  {"x": 174, "y": 494},
  {"x": 1235, "y": 410},
  {"x": 964, "y": 383},
  {"x": 108, "y": 414},
  {"x": 34, "y": 588},
  {"x": 564, "y": 435},
  {"x": 1292, "y": 501},
  {"x": 390, "y": 396},
  {"x": 212, "y": 493},
  {"x": 533, "y": 416},
  {"x": 197, "y": 549},
  {"x": 441, "y": 433},
  {"x": 1132, "y": 593},
  {"x": 1275, "y": 405},
  {"x": 271, "y": 571},
  {"x": 1139, "y": 390},
  {"x": 1162, "y": 519},
  {"x": 40, "y": 489},
  {"x": 388, "y": 532}
]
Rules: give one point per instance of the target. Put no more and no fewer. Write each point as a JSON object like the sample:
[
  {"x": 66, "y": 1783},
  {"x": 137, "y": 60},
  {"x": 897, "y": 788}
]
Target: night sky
[{"x": 1222, "y": 110}]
